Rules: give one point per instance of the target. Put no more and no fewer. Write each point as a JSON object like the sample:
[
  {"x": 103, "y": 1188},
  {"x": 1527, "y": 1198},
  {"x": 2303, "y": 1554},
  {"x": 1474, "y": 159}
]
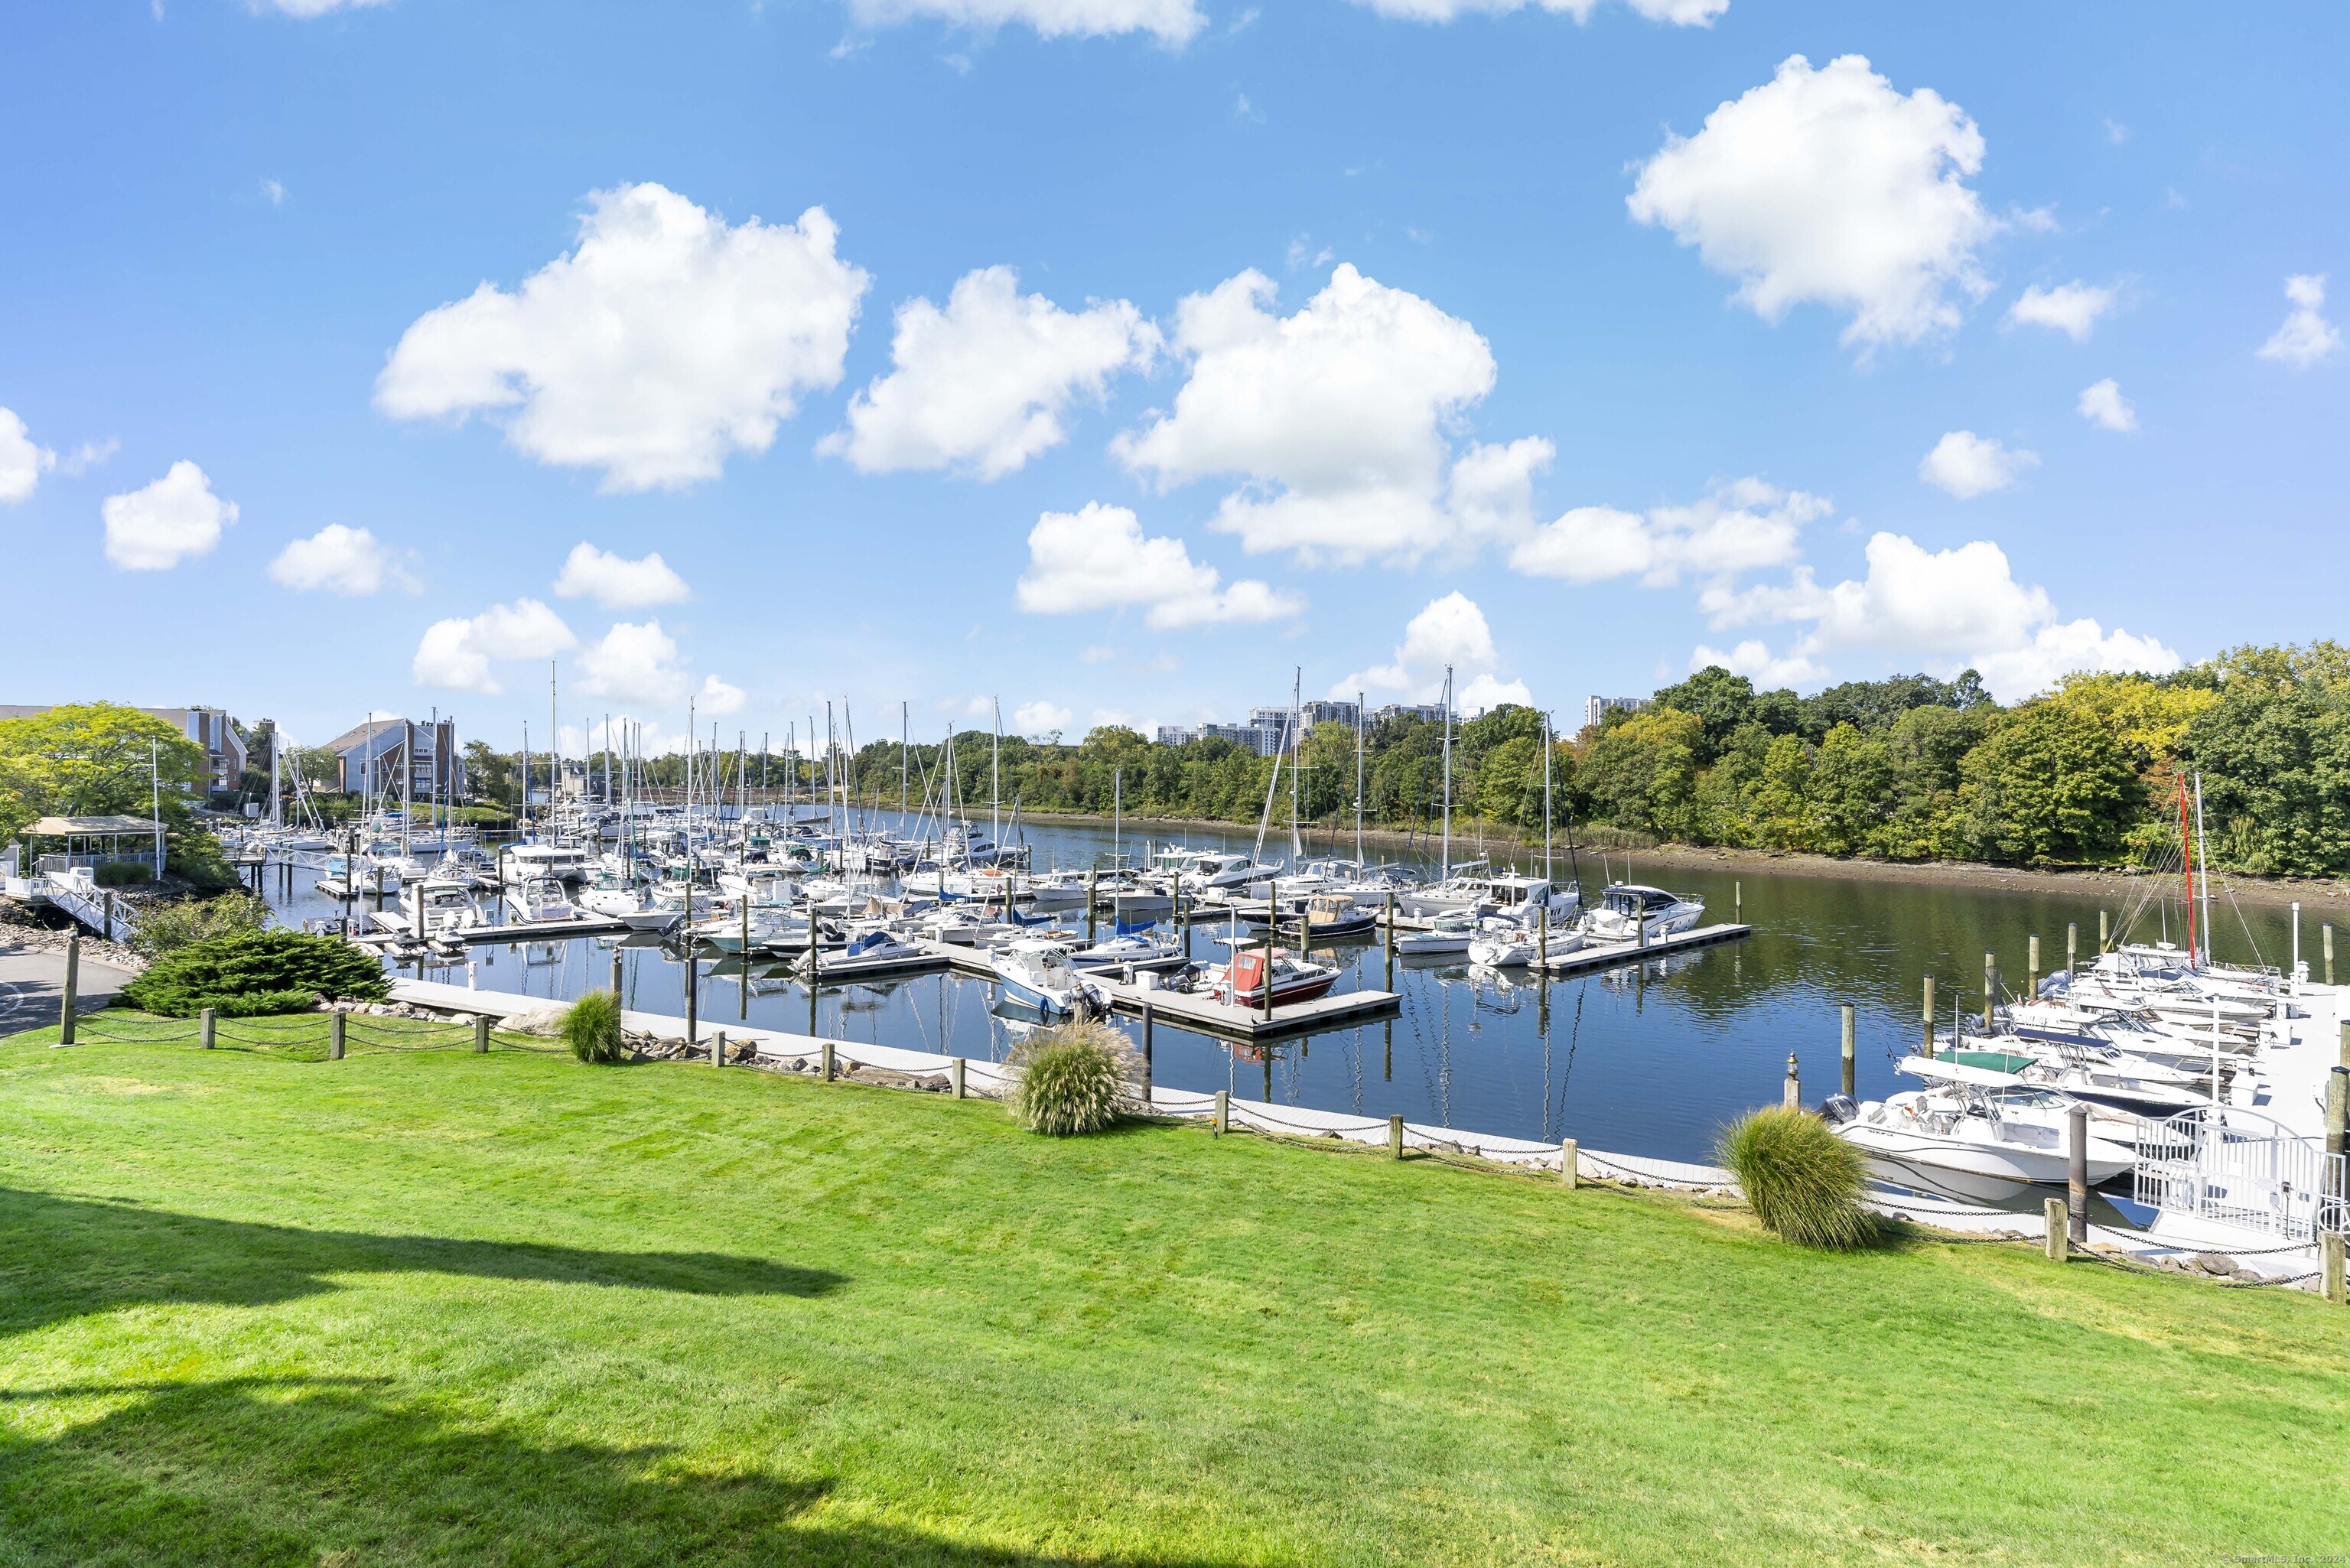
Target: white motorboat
[
  {"x": 609, "y": 897},
  {"x": 1958, "y": 1138},
  {"x": 438, "y": 907},
  {"x": 2108, "y": 1077},
  {"x": 1449, "y": 934},
  {"x": 521, "y": 862},
  {"x": 1242, "y": 982},
  {"x": 1625, "y": 908},
  {"x": 542, "y": 900},
  {"x": 1037, "y": 974},
  {"x": 1514, "y": 946},
  {"x": 1138, "y": 951}
]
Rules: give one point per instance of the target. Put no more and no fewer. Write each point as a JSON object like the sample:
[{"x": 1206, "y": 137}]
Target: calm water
[{"x": 1647, "y": 1060}]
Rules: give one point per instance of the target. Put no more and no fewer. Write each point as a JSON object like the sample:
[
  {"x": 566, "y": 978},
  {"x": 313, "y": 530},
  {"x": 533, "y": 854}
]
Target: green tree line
[{"x": 1907, "y": 768}]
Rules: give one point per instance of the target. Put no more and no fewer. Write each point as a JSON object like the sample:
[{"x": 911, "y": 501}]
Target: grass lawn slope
[{"x": 437, "y": 1307}]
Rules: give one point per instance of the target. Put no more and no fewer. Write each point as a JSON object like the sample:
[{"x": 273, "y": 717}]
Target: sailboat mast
[
  {"x": 2203, "y": 855},
  {"x": 905, "y": 757},
  {"x": 995, "y": 777},
  {"x": 1359, "y": 780},
  {"x": 1447, "y": 857},
  {"x": 2187, "y": 862},
  {"x": 554, "y": 741},
  {"x": 1546, "y": 750},
  {"x": 1297, "y": 755}
]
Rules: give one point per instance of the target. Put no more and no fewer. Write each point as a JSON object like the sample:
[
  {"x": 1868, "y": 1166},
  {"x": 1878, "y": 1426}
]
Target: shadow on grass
[
  {"x": 271, "y": 1471},
  {"x": 66, "y": 1257}
]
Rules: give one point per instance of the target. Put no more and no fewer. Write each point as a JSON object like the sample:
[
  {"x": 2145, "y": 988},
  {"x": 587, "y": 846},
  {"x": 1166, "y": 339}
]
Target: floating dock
[
  {"x": 1209, "y": 1016},
  {"x": 1611, "y": 955}
]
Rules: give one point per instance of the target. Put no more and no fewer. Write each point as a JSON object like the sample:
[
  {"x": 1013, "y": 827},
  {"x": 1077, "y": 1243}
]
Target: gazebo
[{"x": 84, "y": 835}]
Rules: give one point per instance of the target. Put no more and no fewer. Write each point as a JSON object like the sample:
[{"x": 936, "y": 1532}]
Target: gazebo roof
[{"x": 88, "y": 826}]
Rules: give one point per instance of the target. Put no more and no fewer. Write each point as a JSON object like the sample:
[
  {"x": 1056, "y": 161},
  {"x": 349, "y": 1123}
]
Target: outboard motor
[{"x": 1839, "y": 1110}]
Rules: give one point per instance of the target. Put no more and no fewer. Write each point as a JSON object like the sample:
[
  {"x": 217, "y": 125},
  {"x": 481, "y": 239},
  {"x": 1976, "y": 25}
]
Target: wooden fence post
[
  {"x": 826, "y": 1059},
  {"x": 204, "y": 1029},
  {"x": 718, "y": 1049},
  {"x": 2053, "y": 1212},
  {"x": 2330, "y": 1250},
  {"x": 1791, "y": 1096},
  {"x": 68, "y": 1003},
  {"x": 1223, "y": 1111},
  {"x": 955, "y": 1079},
  {"x": 1566, "y": 1158},
  {"x": 334, "y": 1037},
  {"x": 481, "y": 1034},
  {"x": 1395, "y": 1138}
]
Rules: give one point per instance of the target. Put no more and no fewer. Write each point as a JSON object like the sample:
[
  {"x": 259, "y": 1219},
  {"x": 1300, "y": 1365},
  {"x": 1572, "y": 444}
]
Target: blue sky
[{"x": 1564, "y": 349}]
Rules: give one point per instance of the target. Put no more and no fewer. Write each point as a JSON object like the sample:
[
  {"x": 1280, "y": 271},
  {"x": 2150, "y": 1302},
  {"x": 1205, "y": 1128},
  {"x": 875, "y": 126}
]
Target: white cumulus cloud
[
  {"x": 176, "y": 519},
  {"x": 664, "y": 342},
  {"x": 2071, "y": 308},
  {"x": 717, "y": 698},
  {"x": 1452, "y": 631},
  {"x": 1097, "y": 559},
  {"x": 1752, "y": 660},
  {"x": 1747, "y": 524},
  {"x": 22, "y": 460},
  {"x": 2102, "y": 404},
  {"x": 1335, "y": 416},
  {"x": 339, "y": 559},
  {"x": 2306, "y": 336},
  {"x": 1173, "y": 23},
  {"x": 1040, "y": 719},
  {"x": 635, "y": 663},
  {"x": 1953, "y": 609},
  {"x": 615, "y": 582},
  {"x": 1681, "y": 12},
  {"x": 1830, "y": 186},
  {"x": 982, "y": 385},
  {"x": 455, "y": 655},
  {"x": 1967, "y": 465}
]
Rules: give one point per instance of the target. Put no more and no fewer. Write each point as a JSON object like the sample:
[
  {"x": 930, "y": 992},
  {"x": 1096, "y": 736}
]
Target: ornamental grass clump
[
  {"x": 1804, "y": 1183},
  {"x": 1073, "y": 1079},
  {"x": 249, "y": 974},
  {"x": 591, "y": 1027}
]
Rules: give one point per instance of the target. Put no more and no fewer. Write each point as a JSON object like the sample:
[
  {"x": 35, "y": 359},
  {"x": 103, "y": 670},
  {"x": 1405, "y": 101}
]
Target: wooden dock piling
[
  {"x": 2076, "y": 1185},
  {"x": 1849, "y": 1046},
  {"x": 1991, "y": 988},
  {"x": 1145, "y": 1053},
  {"x": 1793, "y": 1096},
  {"x": 1928, "y": 1051}
]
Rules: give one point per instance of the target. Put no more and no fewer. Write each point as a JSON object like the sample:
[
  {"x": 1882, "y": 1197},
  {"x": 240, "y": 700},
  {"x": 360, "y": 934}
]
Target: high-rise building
[{"x": 1595, "y": 709}]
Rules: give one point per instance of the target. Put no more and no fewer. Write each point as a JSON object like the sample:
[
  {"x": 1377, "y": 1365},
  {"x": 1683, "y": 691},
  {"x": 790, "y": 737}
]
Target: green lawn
[{"x": 431, "y": 1306}]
